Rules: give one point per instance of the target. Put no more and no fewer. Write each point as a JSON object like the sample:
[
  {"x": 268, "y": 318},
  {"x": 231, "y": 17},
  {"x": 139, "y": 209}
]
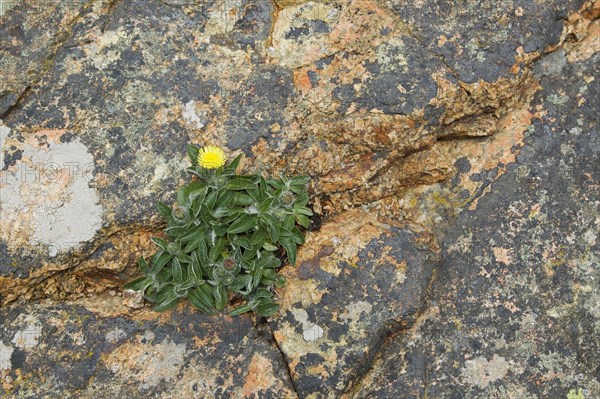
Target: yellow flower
[{"x": 211, "y": 157}]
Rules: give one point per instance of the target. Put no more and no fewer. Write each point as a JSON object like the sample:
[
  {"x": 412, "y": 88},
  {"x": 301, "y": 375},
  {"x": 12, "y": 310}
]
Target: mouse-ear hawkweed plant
[{"x": 224, "y": 235}]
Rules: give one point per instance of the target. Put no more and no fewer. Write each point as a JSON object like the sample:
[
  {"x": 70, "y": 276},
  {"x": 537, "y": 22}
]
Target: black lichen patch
[
  {"x": 517, "y": 287},
  {"x": 399, "y": 81},
  {"x": 67, "y": 347},
  {"x": 257, "y": 110},
  {"x": 309, "y": 28},
  {"x": 20, "y": 263},
  {"x": 479, "y": 39},
  {"x": 254, "y": 25},
  {"x": 364, "y": 296}
]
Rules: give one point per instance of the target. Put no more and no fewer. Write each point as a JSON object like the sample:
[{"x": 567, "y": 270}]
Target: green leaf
[
  {"x": 233, "y": 164},
  {"x": 231, "y": 216},
  {"x": 185, "y": 286},
  {"x": 165, "y": 275},
  {"x": 221, "y": 297},
  {"x": 194, "y": 269},
  {"x": 138, "y": 284},
  {"x": 206, "y": 214},
  {"x": 175, "y": 231},
  {"x": 241, "y": 309},
  {"x": 300, "y": 180},
  {"x": 242, "y": 199},
  {"x": 289, "y": 222},
  {"x": 205, "y": 294},
  {"x": 182, "y": 197},
  {"x": 211, "y": 199},
  {"x": 244, "y": 223},
  {"x": 298, "y": 188},
  {"x": 268, "y": 262},
  {"x": 297, "y": 236},
  {"x": 243, "y": 242},
  {"x": 267, "y": 307},
  {"x": 280, "y": 282},
  {"x": 290, "y": 247},
  {"x": 220, "y": 229},
  {"x": 239, "y": 282},
  {"x": 302, "y": 210},
  {"x": 177, "y": 271},
  {"x": 269, "y": 273},
  {"x": 193, "y": 151},
  {"x": 165, "y": 211},
  {"x": 258, "y": 237},
  {"x": 266, "y": 204},
  {"x": 194, "y": 190},
  {"x": 272, "y": 226},
  {"x": 215, "y": 251},
  {"x": 301, "y": 199},
  {"x": 269, "y": 247},
  {"x": 160, "y": 242},
  {"x": 197, "y": 198},
  {"x": 194, "y": 243},
  {"x": 169, "y": 302},
  {"x": 143, "y": 265},
  {"x": 275, "y": 183},
  {"x": 241, "y": 183},
  {"x": 220, "y": 212},
  {"x": 303, "y": 220},
  {"x": 263, "y": 293},
  {"x": 225, "y": 198},
  {"x": 255, "y": 194},
  {"x": 263, "y": 185},
  {"x": 258, "y": 274},
  {"x": 160, "y": 262},
  {"x": 197, "y": 303},
  {"x": 250, "y": 254},
  {"x": 202, "y": 253}
]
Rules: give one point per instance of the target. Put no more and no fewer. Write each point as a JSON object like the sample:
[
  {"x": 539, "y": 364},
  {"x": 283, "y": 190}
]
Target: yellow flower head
[{"x": 211, "y": 157}]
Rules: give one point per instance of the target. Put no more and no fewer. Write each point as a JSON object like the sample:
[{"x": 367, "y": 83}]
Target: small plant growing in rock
[{"x": 223, "y": 237}]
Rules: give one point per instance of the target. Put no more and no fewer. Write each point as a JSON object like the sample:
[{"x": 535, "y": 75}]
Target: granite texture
[{"x": 453, "y": 149}]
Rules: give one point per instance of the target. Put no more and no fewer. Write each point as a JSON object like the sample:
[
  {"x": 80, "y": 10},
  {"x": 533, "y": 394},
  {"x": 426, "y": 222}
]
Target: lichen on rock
[{"x": 453, "y": 154}]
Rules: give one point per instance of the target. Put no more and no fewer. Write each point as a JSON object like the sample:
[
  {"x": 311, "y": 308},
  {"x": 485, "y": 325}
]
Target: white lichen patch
[
  {"x": 46, "y": 198},
  {"x": 153, "y": 170},
  {"x": 312, "y": 333},
  {"x": 222, "y": 17},
  {"x": 190, "y": 115},
  {"x": 28, "y": 337},
  {"x": 354, "y": 311},
  {"x": 301, "y": 33},
  {"x": 115, "y": 335},
  {"x": 482, "y": 372},
  {"x": 149, "y": 364},
  {"x": 390, "y": 56},
  {"x": 301, "y": 316},
  {"x": 5, "y": 355},
  {"x": 99, "y": 50},
  {"x": 5, "y": 6}
]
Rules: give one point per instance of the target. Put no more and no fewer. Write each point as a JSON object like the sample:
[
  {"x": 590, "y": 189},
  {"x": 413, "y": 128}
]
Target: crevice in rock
[
  {"x": 264, "y": 328},
  {"x": 17, "y": 102},
  {"x": 401, "y": 327},
  {"x": 61, "y": 38},
  {"x": 112, "y": 5},
  {"x": 36, "y": 287},
  {"x": 274, "y": 18}
]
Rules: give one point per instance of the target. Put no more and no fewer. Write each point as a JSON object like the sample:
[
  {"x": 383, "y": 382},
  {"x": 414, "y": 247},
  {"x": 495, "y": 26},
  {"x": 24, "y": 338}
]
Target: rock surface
[{"x": 454, "y": 154}]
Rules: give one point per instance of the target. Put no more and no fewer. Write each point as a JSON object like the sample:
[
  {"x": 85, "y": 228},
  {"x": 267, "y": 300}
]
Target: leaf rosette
[{"x": 226, "y": 237}]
